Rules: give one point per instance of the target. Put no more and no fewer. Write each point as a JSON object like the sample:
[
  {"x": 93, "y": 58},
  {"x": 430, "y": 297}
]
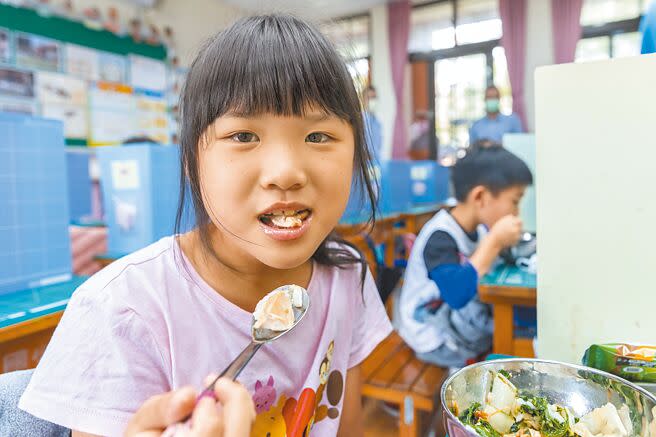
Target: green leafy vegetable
[
  {"x": 484, "y": 429},
  {"x": 549, "y": 426},
  {"x": 472, "y": 417},
  {"x": 468, "y": 417}
]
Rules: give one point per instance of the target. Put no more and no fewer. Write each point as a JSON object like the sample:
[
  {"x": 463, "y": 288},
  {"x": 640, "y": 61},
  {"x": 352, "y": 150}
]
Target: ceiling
[{"x": 313, "y": 9}]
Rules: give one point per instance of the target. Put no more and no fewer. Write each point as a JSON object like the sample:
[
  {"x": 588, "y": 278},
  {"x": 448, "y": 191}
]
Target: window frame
[
  {"x": 458, "y": 50},
  {"x": 611, "y": 30},
  {"x": 358, "y": 16}
]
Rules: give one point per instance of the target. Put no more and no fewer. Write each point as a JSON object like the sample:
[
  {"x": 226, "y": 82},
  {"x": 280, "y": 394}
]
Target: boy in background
[{"x": 440, "y": 314}]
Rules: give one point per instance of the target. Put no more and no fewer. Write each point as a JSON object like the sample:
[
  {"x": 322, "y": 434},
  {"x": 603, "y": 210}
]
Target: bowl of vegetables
[{"x": 538, "y": 398}]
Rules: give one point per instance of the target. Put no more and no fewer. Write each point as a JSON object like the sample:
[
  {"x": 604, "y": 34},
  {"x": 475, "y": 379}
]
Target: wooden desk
[
  {"x": 504, "y": 288},
  {"x": 382, "y": 233},
  {"x": 105, "y": 259},
  {"x": 417, "y": 217},
  {"x": 385, "y": 228},
  {"x": 27, "y": 320}
]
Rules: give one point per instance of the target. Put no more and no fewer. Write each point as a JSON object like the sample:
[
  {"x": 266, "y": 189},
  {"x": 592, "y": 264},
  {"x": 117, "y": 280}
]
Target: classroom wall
[
  {"x": 381, "y": 75},
  {"x": 193, "y": 21},
  {"x": 539, "y": 52},
  {"x": 595, "y": 208},
  {"x": 124, "y": 8},
  {"x": 408, "y": 113}
]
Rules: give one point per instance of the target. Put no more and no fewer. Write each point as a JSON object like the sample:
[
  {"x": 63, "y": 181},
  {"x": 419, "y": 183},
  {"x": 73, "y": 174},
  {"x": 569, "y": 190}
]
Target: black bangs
[{"x": 270, "y": 64}]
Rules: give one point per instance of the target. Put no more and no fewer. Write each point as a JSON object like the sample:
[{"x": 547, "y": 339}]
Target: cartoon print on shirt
[{"x": 295, "y": 418}]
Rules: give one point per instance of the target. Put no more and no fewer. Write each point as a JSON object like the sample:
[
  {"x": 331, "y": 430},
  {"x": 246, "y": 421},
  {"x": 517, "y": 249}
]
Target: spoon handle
[
  {"x": 235, "y": 368},
  {"x": 232, "y": 372}
]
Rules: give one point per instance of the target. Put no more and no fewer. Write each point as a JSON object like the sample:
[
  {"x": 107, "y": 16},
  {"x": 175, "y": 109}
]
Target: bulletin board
[{"x": 57, "y": 68}]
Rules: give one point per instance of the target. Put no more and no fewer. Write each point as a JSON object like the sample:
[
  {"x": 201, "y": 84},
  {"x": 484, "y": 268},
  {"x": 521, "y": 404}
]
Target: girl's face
[{"x": 276, "y": 186}]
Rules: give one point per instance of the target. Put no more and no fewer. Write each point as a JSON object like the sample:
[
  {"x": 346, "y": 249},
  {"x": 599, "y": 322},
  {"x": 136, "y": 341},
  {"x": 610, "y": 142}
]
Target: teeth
[
  {"x": 286, "y": 221},
  {"x": 285, "y": 218}
]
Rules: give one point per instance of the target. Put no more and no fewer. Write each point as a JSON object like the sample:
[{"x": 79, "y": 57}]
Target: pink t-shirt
[{"x": 146, "y": 325}]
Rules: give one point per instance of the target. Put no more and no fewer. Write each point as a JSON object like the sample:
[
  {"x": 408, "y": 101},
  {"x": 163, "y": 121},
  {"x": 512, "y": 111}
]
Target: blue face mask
[{"x": 492, "y": 105}]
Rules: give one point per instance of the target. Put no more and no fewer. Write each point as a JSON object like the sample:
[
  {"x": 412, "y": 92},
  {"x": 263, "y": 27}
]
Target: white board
[
  {"x": 596, "y": 205},
  {"x": 523, "y": 145}
]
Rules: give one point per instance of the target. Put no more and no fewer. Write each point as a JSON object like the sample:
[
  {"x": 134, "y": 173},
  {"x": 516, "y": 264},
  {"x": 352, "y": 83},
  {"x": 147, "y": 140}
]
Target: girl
[{"x": 272, "y": 134}]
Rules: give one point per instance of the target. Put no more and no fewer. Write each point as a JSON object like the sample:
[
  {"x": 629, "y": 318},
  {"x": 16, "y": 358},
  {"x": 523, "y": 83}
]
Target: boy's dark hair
[
  {"x": 493, "y": 167},
  {"x": 269, "y": 64}
]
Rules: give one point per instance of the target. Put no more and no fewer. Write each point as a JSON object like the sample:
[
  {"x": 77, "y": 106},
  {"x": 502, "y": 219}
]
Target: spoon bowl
[{"x": 263, "y": 335}]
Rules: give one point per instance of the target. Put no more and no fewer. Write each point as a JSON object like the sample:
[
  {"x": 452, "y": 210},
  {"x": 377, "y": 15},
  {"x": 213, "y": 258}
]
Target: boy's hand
[{"x": 507, "y": 231}]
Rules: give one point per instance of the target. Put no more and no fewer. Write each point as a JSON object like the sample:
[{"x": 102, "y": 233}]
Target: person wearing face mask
[
  {"x": 494, "y": 125},
  {"x": 373, "y": 128}
]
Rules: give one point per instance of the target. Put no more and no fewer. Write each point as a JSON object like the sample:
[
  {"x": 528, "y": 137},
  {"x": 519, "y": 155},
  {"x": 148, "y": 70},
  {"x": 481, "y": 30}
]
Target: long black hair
[{"x": 275, "y": 64}]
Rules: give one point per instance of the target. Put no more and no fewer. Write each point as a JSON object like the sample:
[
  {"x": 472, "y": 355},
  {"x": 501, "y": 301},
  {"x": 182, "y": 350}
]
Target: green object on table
[
  {"x": 29, "y": 304},
  {"x": 424, "y": 209},
  {"x": 76, "y": 142},
  {"x": 89, "y": 223},
  {"x": 493, "y": 357},
  {"x": 510, "y": 276},
  {"x": 633, "y": 362},
  {"x": 113, "y": 256}
]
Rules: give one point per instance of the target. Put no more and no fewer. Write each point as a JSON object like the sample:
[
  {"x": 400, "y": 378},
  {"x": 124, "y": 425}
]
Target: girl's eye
[
  {"x": 245, "y": 137},
  {"x": 317, "y": 137}
]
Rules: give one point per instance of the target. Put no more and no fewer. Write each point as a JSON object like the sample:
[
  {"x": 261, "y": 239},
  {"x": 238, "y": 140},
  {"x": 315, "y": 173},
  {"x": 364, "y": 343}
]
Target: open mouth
[{"x": 285, "y": 218}]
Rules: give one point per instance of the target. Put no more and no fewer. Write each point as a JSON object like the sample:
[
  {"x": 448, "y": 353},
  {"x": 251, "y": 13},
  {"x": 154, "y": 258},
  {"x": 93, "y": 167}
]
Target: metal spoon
[{"x": 260, "y": 337}]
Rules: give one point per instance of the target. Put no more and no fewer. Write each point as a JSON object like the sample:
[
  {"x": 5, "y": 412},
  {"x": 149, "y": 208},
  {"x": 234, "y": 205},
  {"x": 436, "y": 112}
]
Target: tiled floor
[{"x": 379, "y": 423}]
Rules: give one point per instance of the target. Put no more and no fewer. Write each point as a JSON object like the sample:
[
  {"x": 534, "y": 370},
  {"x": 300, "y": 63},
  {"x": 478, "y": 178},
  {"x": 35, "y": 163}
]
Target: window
[
  {"x": 459, "y": 96},
  {"x": 502, "y": 79},
  {"x": 359, "y": 70},
  {"x": 460, "y": 37},
  {"x": 431, "y": 28},
  {"x": 477, "y": 21},
  {"x": 432, "y": 24},
  {"x": 593, "y": 49},
  {"x": 627, "y": 44},
  {"x": 610, "y": 29},
  {"x": 460, "y": 85},
  {"x": 598, "y": 12},
  {"x": 350, "y": 36}
]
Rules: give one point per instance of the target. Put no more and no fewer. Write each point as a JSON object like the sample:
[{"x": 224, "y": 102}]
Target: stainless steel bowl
[{"x": 580, "y": 388}]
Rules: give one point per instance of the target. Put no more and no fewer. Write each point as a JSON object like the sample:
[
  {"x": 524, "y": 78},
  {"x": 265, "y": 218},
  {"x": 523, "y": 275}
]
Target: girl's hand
[{"x": 231, "y": 416}]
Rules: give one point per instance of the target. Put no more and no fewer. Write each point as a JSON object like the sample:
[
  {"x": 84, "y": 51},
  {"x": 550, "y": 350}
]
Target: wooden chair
[
  {"x": 359, "y": 241},
  {"x": 393, "y": 374}
]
